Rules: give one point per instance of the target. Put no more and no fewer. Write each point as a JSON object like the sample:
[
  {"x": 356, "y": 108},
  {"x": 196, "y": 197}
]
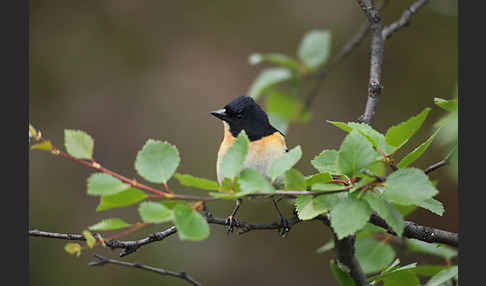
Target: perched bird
[{"x": 266, "y": 142}]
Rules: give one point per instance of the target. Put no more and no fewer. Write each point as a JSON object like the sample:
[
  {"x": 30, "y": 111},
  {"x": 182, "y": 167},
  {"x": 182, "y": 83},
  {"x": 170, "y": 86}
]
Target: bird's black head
[{"x": 243, "y": 113}]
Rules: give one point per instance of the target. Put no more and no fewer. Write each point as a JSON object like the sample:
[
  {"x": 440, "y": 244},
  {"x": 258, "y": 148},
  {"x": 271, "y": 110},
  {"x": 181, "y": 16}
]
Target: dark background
[{"x": 125, "y": 71}]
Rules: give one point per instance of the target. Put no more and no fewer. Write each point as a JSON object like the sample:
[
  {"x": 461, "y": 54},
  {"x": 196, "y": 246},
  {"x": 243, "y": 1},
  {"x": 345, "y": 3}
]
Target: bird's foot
[{"x": 232, "y": 222}]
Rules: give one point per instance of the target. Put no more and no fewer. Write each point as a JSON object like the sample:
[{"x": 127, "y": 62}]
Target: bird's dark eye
[{"x": 239, "y": 115}]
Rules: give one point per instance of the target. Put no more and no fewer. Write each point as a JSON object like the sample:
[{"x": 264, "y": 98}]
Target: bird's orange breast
[{"x": 260, "y": 152}]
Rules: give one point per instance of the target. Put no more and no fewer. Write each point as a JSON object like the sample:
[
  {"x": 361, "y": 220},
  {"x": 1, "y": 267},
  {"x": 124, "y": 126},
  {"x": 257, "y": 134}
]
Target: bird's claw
[
  {"x": 284, "y": 227},
  {"x": 232, "y": 222}
]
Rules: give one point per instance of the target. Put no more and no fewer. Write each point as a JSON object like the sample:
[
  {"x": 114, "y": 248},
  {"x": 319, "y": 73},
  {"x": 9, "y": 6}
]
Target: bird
[{"x": 266, "y": 142}]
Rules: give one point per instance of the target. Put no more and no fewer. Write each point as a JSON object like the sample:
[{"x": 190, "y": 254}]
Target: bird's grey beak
[{"x": 221, "y": 114}]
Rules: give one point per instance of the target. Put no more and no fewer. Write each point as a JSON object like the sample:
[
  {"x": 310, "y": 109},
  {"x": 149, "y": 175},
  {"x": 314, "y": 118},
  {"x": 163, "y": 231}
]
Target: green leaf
[
  {"x": 157, "y": 161},
  {"x": 356, "y": 153},
  {"x": 274, "y": 58},
  {"x": 341, "y": 222},
  {"x": 154, "y": 212},
  {"x": 375, "y": 137},
  {"x": 251, "y": 181},
  {"x": 109, "y": 224},
  {"x": 436, "y": 249},
  {"x": 90, "y": 240},
  {"x": 417, "y": 152},
  {"x": 46, "y": 145},
  {"x": 342, "y": 277},
  {"x": 373, "y": 255},
  {"x": 78, "y": 144},
  {"x": 326, "y": 161},
  {"x": 235, "y": 156},
  {"x": 448, "y": 105},
  {"x": 309, "y": 207},
  {"x": 227, "y": 196},
  {"x": 401, "y": 278},
  {"x": 443, "y": 276},
  {"x": 294, "y": 180},
  {"x": 327, "y": 187},
  {"x": 267, "y": 79},
  {"x": 399, "y": 134},
  {"x": 101, "y": 184},
  {"x": 195, "y": 182},
  {"x": 285, "y": 162},
  {"x": 408, "y": 186},
  {"x": 386, "y": 211},
  {"x": 125, "y": 198},
  {"x": 279, "y": 123},
  {"x": 429, "y": 270},
  {"x": 432, "y": 205},
  {"x": 326, "y": 247},
  {"x": 285, "y": 106},
  {"x": 318, "y": 178},
  {"x": 315, "y": 48},
  {"x": 405, "y": 210},
  {"x": 73, "y": 248},
  {"x": 190, "y": 224}
]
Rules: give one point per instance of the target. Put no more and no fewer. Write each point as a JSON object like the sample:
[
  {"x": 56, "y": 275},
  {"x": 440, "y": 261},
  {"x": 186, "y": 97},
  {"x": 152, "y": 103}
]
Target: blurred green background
[{"x": 125, "y": 71}]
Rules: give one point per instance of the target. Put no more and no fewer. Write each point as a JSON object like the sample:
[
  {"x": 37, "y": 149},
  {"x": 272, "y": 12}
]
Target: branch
[
  {"x": 345, "y": 51},
  {"x": 345, "y": 252},
  {"x": 404, "y": 19},
  {"x": 423, "y": 233},
  {"x": 435, "y": 166},
  {"x": 182, "y": 275},
  {"x": 376, "y": 61}
]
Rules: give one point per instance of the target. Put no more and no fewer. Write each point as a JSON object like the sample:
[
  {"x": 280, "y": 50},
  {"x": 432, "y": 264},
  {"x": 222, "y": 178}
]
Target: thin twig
[
  {"x": 404, "y": 19},
  {"x": 435, "y": 166},
  {"x": 182, "y": 275},
  {"x": 343, "y": 54}
]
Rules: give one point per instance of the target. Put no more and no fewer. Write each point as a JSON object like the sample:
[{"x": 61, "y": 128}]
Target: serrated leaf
[
  {"x": 309, "y": 207},
  {"x": 227, "y": 196},
  {"x": 342, "y": 277},
  {"x": 154, "y": 212},
  {"x": 326, "y": 161},
  {"x": 73, "y": 248},
  {"x": 373, "y": 255},
  {"x": 125, "y": 198},
  {"x": 399, "y": 134},
  {"x": 416, "y": 153},
  {"x": 340, "y": 216},
  {"x": 386, "y": 211},
  {"x": 274, "y": 58},
  {"x": 408, "y": 186},
  {"x": 101, "y": 184},
  {"x": 285, "y": 162},
  {"x": 90, "y": 240},
  {"x": 294, "y": 180},
  {"x": 190, "y": 224},
  {"x": 401, "y": 278},
  {"x": 356, "y": 153},
  {"x": 235, "y": 156},
  {"x": 321, "y": 178},
  {"x": 109, "y": 224},
  {"x": 171, "y": 204},
  {"x": 46, "y": 145},
  {"x": 78, "y": 144},
  {"x": 326, "y": 247},
  {"x": 375, "y": 137},
  {"x": 157, "y": 161},
  {"x": 405, "y": 210},
  {"x": 195, "y": 182},
  {"x": 443, "y": 276},
  {"x": 448, "y": 105},
  {"x": 251, "y": 181},
  {"x": 432, "y": 205},
  {"x": 267, "y": 79},
  {"x": 436, "y": 249},
  {"x": 314, "y": 49}
]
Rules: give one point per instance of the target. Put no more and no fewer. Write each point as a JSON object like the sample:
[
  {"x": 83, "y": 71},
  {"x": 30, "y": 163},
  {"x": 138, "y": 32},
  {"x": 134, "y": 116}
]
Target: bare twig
[
  {"x": 404, "y": 19},
  {"x": 343, "y": 54},
  {"x": 182, "y": 275},
  {"x": 435, "y": 166}
]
